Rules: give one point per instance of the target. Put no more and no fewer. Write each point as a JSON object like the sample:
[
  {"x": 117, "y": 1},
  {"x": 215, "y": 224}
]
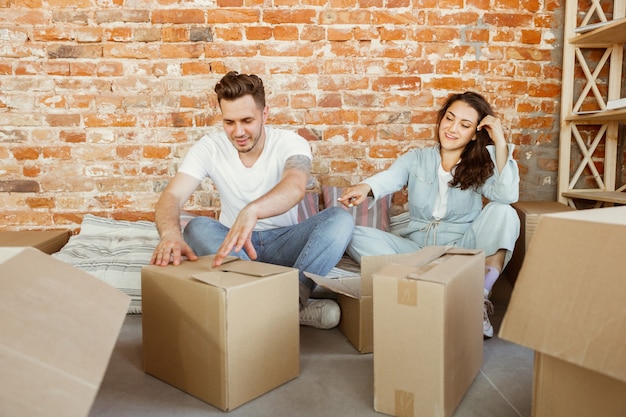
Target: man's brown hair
[{"x": 234, "y": 85}]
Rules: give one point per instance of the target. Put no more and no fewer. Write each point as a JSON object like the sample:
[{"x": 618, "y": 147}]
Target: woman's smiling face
[{"x": 458, "y": 126}]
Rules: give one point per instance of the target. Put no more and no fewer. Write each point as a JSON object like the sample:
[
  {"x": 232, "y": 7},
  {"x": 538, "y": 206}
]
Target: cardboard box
[
  {"x": 47, "y": 241},
  {"x": 58, "y": 327},
  {"x": 428, "y": 338},
  {"x": 354, "y": 296},
  {"x": 568, "y": 305},
  {"x": 225, "y": 335},
  {"x": 529, "y": 213}
]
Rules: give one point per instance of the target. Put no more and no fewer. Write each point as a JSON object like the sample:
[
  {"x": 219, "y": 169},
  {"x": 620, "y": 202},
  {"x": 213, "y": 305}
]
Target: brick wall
[{"x": 99, "y": 100}]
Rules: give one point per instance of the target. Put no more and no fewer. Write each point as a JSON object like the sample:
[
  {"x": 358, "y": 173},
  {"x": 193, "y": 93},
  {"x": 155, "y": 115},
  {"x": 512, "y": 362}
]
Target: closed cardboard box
[
  {"x": 354, "y": 296},
  {"x": 58, "y": 327},
  {"x": 428, "y": 340},
  {"x": 568, "y": 305},
  {"x": 47, "y": 241},
  {"x": 225, "y": 335},
  {"x": 529, "y": 213}
]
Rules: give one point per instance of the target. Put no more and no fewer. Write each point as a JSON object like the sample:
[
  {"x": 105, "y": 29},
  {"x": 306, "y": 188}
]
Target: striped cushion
[
  {"x": 309, "y": 206},
  {"x": 113, "y": 251},
  {"x": 377, "y": 216}
]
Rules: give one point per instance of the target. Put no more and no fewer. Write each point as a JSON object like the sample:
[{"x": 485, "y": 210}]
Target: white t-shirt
[
  {"x": 441, "y": 202},
  {"x": 214, "y": 156}
]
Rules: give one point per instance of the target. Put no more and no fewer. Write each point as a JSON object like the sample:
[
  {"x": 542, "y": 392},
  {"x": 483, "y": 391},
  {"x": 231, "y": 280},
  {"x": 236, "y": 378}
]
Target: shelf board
[
  {"x": 608, "y": 34},
  {"x": 616, "y": 197},
  {"x": 599, "y": 116}
]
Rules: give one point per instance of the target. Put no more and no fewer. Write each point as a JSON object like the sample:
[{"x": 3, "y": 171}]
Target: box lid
[
  {"x": 423, "y": 260},
  {"x": 568, "y": 301},
  {"x": 58, "y": 327},
  {"x": 538, "y": 208},
  {"x": 48, "y": 241},
  {"x": 236, "y": 272},
  {"x": 435, "y": 264},
  {"x": 349, "y": 286}
]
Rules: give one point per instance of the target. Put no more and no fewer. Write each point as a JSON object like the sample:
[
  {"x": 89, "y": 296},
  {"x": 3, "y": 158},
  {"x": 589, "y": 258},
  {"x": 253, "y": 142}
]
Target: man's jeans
[{"x": 316, "y": 245}]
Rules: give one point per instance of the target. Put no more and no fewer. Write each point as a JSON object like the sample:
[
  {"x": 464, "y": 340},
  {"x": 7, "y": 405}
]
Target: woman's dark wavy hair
[
  {"x": 234, "y": 85},
  {"x": 476, "y": 165}
]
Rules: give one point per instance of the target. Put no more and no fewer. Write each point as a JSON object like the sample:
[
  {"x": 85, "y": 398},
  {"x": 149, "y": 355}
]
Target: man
[{"x": 261, "y": 175}]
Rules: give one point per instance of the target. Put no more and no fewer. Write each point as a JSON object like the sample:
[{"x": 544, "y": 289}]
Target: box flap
[
  {"x": 224, "y": 280},
  {"x": 349, "y": 286},
  {"x": 442, "y": 268},
  {"x": 9, "y": 253},
  {"x": 257, "y": 269},
  {"x": 236, "y": 272},
  {"x": 47, "y": 241},
  {"x": 422, "y": 262},
  {"x": 568, "y": 301},
  {"x": 59, "y": 326}
]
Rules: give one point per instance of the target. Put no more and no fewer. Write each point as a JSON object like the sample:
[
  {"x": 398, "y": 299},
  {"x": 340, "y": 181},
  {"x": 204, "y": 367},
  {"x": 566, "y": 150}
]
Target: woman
[{"x": 446, "y": 186}]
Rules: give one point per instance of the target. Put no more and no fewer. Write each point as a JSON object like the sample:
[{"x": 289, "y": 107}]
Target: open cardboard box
[
  {"x": 58, "y": 327},
  {"x": 354, "y": 296},
  {"x": 225, "y": 335},
  {"x": 47, "y": 241},
  {"x": 529, "y": 213},
  {"x": 428, "y": 338},
  {"x": 569, "y": 306}
]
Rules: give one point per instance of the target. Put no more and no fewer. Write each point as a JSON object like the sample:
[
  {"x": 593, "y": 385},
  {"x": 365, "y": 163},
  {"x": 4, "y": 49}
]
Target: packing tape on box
[
  {"x": 404, "y": 403},
  {"x": 407, "y": 292}
]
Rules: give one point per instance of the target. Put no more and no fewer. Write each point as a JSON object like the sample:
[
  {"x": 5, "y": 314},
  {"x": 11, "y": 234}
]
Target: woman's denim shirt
[{"x": 417, "y": 169}]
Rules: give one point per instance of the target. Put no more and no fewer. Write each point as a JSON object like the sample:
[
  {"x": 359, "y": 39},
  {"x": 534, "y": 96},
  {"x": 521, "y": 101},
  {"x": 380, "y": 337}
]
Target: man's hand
[
  {"x": 355, "y": 195},
  {"x": 239, "y": 237},
  {"x": 172, "y": 248}
]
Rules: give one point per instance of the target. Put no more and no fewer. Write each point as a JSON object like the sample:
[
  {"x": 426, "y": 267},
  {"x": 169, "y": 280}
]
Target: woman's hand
[
  {"x": 493, "y": 126},
  {"x": 355, "y": 195}
]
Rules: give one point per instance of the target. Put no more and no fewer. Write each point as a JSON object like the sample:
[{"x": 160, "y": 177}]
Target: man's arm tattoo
[{"x": 300, "y": 162}]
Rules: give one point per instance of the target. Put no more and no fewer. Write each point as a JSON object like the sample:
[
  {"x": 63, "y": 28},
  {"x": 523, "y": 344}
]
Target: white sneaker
[
  {"x": 321, "y": 314},
  {"x": 487, "y": 310}
]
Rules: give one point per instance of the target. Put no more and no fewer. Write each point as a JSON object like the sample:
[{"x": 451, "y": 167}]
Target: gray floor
[{"x": 335, "y": 380}]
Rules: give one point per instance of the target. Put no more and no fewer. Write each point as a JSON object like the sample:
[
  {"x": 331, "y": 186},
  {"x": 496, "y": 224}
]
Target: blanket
[{"x": 113, "y": 251}]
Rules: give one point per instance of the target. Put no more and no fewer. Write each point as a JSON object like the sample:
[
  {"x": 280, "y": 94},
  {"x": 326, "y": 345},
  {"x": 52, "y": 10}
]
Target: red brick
[
  {"x": 57, "y": 152},
  {"x": 259, "y": 33},
  {"x": 286, "y": 33},
  {"x": 73, "y": 136},
  {"x": 120, "y": 34},
  {"x": 234, "y": 16},
  {"x": 132, "y": 51},
  {"x": 343, "y": 166},
  {"x": 229, "y": 34},
  {"x": 40, "y": 202},
  {"x": 195, "y": 68},
  {"x": 220, "y": 50},
  {"x": 74, "y": 51},
  {"x": 531, "y": 36},
  {"x": 396, "y": 83},
  {"x": 31, "y": 171},
  {"x": 175, "y": 34},
  {"x": 19, "y": 186},
  {"x": 293, "y": 16},
  {"x": 515, "y": 20},
  {"x": 110, "y": 69},
  {"x": 110, "y": 120},
  {"x": 177, "y": 16},
  {"x": 384, "y": 151}
]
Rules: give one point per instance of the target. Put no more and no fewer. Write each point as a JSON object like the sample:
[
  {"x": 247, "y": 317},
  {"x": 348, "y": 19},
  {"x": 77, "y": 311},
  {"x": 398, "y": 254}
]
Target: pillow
[
  {"x": 309, "y": 206},
  {"x": 185, "y": 218},
  {"x": 113, "y": 251},
  {"x": 377, "y": 216}
]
